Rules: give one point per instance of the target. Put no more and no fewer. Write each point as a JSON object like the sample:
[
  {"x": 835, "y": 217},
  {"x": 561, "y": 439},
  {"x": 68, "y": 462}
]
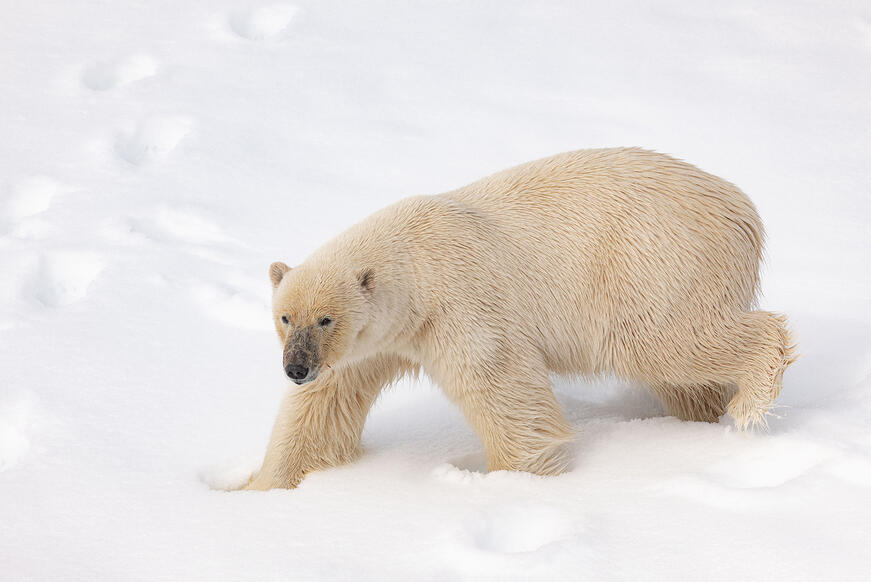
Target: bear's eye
[
  {"x": 325, "y": 321},
  {"x": 284, "y": 319}
]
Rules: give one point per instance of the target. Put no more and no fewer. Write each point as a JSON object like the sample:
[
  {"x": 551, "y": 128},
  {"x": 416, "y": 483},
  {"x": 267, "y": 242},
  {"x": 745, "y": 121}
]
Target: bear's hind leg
[
  {"x": 696, "y": 402},
  {"x": 517, "y": 417},
  {"x": 751, "y": 350},
  {"x": 767, "y": 349}
]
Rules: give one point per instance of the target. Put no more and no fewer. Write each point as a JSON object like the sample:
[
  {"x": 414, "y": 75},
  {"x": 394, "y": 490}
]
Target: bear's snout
[
  {"x": 301, "y": 361},
  {"x": 296, "y": 371}
]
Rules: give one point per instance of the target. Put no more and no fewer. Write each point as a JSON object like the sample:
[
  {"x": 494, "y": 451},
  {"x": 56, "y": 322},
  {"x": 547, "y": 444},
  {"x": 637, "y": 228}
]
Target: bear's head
[{"x": 324, "y": 316}]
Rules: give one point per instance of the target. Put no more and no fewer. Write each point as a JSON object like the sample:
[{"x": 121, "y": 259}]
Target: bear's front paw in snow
[
  {"x": 264, "y": 481},
  {"x": 256, "y": 486}
]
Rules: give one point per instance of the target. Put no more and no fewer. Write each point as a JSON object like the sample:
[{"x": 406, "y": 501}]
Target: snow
[
  {"x": 159, "y": 155},
  {"x": 109, "y": 75}
]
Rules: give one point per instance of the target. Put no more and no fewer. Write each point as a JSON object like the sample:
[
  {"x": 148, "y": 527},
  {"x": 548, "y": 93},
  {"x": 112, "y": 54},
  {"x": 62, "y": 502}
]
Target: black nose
[{"x": 296, "y": 372}]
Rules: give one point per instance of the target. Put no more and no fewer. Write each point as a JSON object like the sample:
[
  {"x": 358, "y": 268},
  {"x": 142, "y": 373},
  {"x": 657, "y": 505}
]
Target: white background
[{"x": 156, "y": 156}]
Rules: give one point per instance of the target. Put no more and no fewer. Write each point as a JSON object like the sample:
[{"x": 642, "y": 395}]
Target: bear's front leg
[
  {"x": 319, "y": 424},
  {"x": 513, "y": 409},
  {"x": 283, "y": 465}
]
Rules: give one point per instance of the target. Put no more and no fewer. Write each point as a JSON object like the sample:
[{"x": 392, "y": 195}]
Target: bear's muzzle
[{"x": 301, "y": 362}]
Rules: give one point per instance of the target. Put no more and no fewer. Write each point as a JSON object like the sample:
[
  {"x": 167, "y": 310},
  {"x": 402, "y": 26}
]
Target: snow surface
[{"x": 157, "y": 156}]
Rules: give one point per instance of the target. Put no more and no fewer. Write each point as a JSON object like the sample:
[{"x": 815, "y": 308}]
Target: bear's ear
[
  {"x": 366, "y": 278},
  {"x": 276, "y": 273}
]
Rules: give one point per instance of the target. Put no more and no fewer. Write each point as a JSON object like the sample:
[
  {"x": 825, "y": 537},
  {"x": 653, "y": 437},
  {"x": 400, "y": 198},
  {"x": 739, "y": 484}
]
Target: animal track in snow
[
  {"x": 737, "y": 480},
  {"x": 108, "y": 75},
  {"x": 20, "y": 418},
  {"x": 170, "y": 224},
  {"x": 771, "y": 463},
  {"x": 63, "y": 277},
  {"x": 152, "y": 139},
  {"x": 262, "y": 23},
  {"x": 232, "y": 307},
  {"x": 519, "y": 528},
  {"x": 122, "y": 232},
  {"x": 32, "y": 195},
  {"x": 188, "y": 226},
  {"x": 33, "y": 228}
]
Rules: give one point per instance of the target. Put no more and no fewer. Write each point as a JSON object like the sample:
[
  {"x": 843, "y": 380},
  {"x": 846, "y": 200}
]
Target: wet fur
[{"x": 591, "y": 262}]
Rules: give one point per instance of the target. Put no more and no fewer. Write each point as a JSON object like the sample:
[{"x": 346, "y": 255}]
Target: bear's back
[
  {"x": 598, "y": 240},
  {"x": 617, "y": 215}
]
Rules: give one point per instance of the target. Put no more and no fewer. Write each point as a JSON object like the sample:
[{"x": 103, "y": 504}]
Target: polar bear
[{"x": 610, "y": 261}]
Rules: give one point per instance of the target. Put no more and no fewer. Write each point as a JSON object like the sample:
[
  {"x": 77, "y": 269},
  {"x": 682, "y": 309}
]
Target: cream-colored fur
[{"x": 620, "y": 261}]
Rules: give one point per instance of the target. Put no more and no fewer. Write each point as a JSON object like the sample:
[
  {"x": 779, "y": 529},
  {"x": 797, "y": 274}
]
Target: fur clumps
[{"x": 615, "y": 261}]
